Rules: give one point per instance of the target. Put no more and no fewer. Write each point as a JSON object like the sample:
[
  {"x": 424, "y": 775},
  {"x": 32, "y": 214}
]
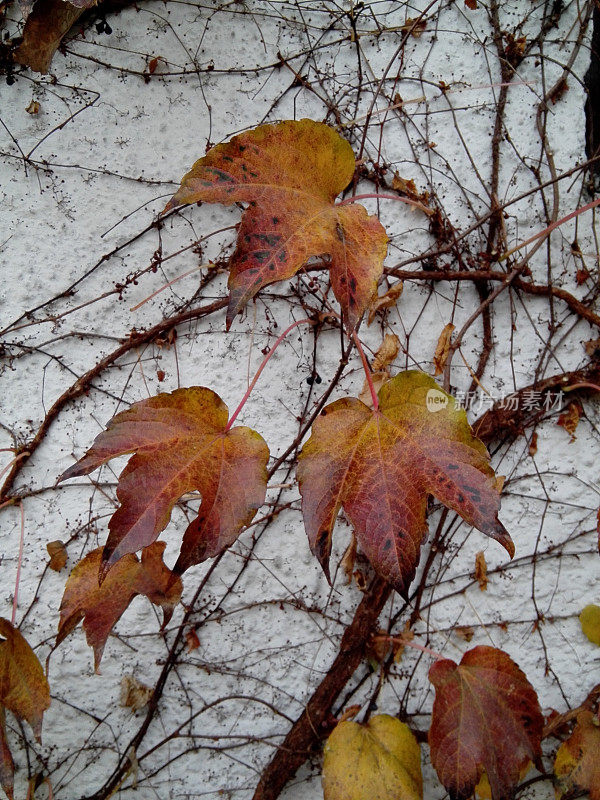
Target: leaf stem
[
  {"x": 367, "y": 370},
  {"x": 409, "y": 643},
  {"x": 18, "y": 577},
  {"x": 262, "y": 366},
  {"x": 376, "y": 196}
]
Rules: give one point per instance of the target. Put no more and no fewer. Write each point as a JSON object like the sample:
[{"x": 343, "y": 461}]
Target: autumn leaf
[
  {"x": 58, "y": 555},
  {"x": 46, "y": 25},
  {"x": 24, "y": 689},
  {"x": 290, "y": 174},
  {"x": 376, "y": 761},
  {"x": 590, "y": 622},
  {"x": 380, "y": 466},
  {"x": 134, "y": 694},
  {"x": 181, "y": 445},
  {"x": 442, "y": 349},
  {"x": 577, "y": 766},
  {"x": 386, "y": 355},
  {"x": 486, "y": 716},
  {"x": 100, "y": 606},
  {"x": 481, "y": 570},
  {"x": 7, "y": 767},
  {"x": 385, "y": 301}
]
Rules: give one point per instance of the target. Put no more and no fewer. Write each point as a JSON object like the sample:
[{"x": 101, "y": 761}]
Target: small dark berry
[
  {"x": 10, "y": 79},
  {"x": 107, "y": 29},
  {"x": 100, "y": 26}
]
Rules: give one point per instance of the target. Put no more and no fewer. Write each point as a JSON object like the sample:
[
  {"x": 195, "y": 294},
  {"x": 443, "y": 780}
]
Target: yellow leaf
[
  {"x": 590, "y": 622},
  {"x": 377, "y": 761},
  {"x": 577, "y": 766}
]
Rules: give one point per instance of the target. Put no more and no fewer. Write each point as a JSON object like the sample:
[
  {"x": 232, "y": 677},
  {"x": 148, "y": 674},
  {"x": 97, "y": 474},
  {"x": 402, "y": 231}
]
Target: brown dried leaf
[
  {"x": 134, "y": 694},
  {"x": 349, "y": 559},
  {"x": 464, "y": 632},
  {"x": 481, "y": 570},
  {"x": 569, "y": 419},
  {"x": 533, "y": 443},
  {"x": 24, "y": 689},
  {"x": 387, "y": 300},
  {"x": 472, "y": 4},
  {"x": 46, "y": 25},
  {"x": 390, "y": 347},
  {"x": 415, "y": 26},
  {"x": 443, "y": 348},
  {"x": 33, "y": 107},
  {"x": 58, "y": 555},
  {"x": 192, "y": 641},
  {"x": 486, "y": 716},
  {"x": 101, "y": 606}
]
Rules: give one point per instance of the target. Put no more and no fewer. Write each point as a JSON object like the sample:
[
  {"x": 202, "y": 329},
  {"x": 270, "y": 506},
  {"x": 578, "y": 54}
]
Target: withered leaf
[
  {"x": 386, "y": 355},
  {"x": 569, "y": 419},
  {"x": 24, "y": 689},
  {"x": 486, "y": 716},
  {"x": 192, "y": 641},
  {"x": 181, "y": 445},
  {"x": 100, "y": 606},
  {"x": 443, "y": 349},
  {"x": 387, "y": 300},
  {"x": 46, "y": 25},
  {"x": 58, "y": 555},
  {"x": 380, "y": 466},
  {"x": 134, "y": 694},
  {"x": 290, "y": 174},
  {"x": 481, "y": 570},
  {"x": 378, "y": 379},
  {"x": 577, "y": 765},
  {"x": 7, "y": 767}
]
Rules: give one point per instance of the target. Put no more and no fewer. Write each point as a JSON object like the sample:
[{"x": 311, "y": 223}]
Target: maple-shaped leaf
[
  {"x": 24, "y": 689},
  {"x": 376, "y": 761},
  {"x": 7, "y": 767},
  {"x": 486, "y": 716},
  {"x": 290, "y": 174},
  {"x": 181, "y": 445},
  {"x": 577, "y": 764},
  {"x": 380, "y": 466},
  {"x": 100, "y": 606}
]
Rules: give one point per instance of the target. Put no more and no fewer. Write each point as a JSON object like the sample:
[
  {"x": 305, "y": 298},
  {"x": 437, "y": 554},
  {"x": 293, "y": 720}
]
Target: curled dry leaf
[
  {"x": 486, "y": 716},
  {"x": 58, "y": 555},
  {"x": 481, "y": 570},
  {"x": 442, "y": 350},
  {"x": 378, "y": 379},
  {"x": 134, "y": 694},
  {"x": 590, "y": 622},
  {"x": 386, "y": 355},
  {"x": 192, "y": 641},
  {"x": 24, "y": 689},
  {"x": 100, "y": 606},
  {"x": 7, "y": 767},
  {"x": 387, "y": 300},
  {"x": 376, "y": 761},
  {"x": 380, "y": 466},
  {"x": 181, "y": 445},
  {"x": 47, "y": 23},
  {"x": 577, "y": 765},
  {"x": 290, "y": 174},
  {"x": 569, "y": 419}
]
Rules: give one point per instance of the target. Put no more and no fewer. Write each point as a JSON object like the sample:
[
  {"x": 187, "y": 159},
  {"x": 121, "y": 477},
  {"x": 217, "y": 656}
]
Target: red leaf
[
  {"x": 290, "y": 174},
  {"x": 380, "y": 466},
  {"x": 486, "y": 716},
  {"x": 181, "y": 445},
  {"x": 101, "y": 606}
]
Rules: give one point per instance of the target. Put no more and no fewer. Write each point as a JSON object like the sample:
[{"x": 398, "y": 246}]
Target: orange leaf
[
  {"x": 481, "y": 570},
  {"x": 24, "y": 689},
  {"x": 181, "y": 445},
  {"x": 577, "y": 765},
  {"x": 380, "y": 466},
  {"x": 486, "y": 716},
  {"x": 290, "y": 174},
  {"x": 7, "y": 767},
  {"x": 100, "y": 606}
]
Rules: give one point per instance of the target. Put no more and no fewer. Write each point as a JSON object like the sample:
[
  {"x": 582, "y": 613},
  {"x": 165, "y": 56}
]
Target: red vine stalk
[
  {"x": 367, "y": 370},
  {"x": 264, "y": 363}
]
